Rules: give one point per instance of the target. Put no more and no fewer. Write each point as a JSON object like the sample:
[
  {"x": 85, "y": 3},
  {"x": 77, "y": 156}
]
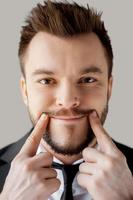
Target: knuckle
[
  {"x": 124, "y": 158},
  {"x": 85, "y": 152},
  {"x": 47, "y": 156},
  {"x": 17, "y": 160},
  {"x": 102, "y": 174},
  {"x": 56, "y": 185},
  {"x": 27, "y": 166},
  {"x": 54, "y": 172},
  {"x": 110, "y": 163},
  {"x": 42, "y": 185},
  {"x": 37, "y": 177},
  {"x": 120, "y": 156},
  {"x": 96, "y": 183}
]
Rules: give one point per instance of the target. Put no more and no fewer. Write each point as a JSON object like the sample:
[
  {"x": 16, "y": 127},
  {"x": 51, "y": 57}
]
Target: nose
[
  {"x": 67, "y": 97},
  {"x": 68, "y": 104}
]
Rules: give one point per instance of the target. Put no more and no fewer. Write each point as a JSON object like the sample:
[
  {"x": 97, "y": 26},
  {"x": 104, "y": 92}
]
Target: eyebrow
[
  {"x": 42, "y": 71},
  {"x": 91, "y": 69}
]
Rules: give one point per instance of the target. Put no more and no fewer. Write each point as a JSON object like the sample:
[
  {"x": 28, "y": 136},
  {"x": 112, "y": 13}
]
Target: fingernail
[
  {"x": 94, "y": 114},
  {"x": 43, "y": 115}
]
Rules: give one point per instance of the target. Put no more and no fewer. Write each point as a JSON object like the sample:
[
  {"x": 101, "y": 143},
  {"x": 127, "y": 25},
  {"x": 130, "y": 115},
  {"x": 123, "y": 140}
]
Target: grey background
[{"x": 14, "y": 120}]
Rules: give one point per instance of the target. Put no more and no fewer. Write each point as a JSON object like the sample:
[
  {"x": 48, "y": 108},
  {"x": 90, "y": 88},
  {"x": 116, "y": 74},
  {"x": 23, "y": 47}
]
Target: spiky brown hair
[{"x": 64, "y": 19}]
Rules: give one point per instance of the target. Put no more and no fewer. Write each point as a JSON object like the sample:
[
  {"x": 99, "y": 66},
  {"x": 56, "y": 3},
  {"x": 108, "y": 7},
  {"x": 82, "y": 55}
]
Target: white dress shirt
[{"x": 79, "y": 193}]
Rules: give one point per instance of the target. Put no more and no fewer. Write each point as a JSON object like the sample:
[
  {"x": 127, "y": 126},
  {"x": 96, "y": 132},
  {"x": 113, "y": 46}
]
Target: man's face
[{"x": 66, "y": 78}]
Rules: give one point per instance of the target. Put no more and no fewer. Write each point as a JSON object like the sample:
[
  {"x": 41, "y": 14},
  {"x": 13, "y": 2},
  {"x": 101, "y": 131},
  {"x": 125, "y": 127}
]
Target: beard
[{"x": 69, "y": 148}]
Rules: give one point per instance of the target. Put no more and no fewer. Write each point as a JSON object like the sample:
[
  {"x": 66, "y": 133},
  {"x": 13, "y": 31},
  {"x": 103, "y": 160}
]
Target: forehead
[{"x": 65, "y": 54}]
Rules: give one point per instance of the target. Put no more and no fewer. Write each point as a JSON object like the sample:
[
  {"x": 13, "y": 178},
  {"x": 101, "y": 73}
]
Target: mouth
[{"x": 68, "y": 119}]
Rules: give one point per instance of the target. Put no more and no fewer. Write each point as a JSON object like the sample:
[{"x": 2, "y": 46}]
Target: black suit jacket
[{"x": 9, "y": 152}]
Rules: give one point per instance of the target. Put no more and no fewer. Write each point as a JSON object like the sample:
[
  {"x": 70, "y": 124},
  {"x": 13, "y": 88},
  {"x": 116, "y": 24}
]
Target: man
[{"x": 66, "y": 61}]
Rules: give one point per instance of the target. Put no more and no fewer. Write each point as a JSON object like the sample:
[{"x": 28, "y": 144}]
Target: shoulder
[{"x": 8, "y": 152}]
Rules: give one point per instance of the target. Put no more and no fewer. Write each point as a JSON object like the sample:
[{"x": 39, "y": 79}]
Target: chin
[{"x": 70, "y": 144}]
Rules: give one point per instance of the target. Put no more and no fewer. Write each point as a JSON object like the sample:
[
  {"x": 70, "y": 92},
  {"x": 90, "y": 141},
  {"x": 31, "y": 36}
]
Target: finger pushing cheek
[
  {"x": 95, "y": 122},
  {"x": 104, "y": 140},
  {"x": 32, "y": 142}
]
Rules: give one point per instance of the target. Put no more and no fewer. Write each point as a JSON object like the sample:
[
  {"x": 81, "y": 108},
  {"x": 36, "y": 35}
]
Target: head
[{"x": 66, "y": 62}]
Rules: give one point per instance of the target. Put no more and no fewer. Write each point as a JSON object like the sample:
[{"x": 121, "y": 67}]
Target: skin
[
  {"x": 36, "y": 177},
  {"x": 105, "y": 173},
  {"x": 65, "y": 58}
]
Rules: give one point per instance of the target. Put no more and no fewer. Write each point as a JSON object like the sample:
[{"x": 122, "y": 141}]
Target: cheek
[
  {"x": 95, "y": 98},
  {"x": 39, "y": 101}
]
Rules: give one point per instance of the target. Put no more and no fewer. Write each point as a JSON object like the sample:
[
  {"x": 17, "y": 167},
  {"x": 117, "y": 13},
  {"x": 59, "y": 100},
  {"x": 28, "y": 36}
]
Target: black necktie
[{"x": 69, "y": 172}]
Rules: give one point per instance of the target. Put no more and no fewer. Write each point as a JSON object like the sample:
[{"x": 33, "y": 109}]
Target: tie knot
[{"x": 69, "y": 171}]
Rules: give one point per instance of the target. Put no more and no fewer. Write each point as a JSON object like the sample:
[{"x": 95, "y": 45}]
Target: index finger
[
  {"x": 32, "y": 142},
  {"x": 104, "y": 140}
]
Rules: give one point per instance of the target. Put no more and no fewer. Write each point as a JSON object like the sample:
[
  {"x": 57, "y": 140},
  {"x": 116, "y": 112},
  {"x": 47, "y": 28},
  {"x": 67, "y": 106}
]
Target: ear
[
  {"x": 110, "y": 85},
  {"x": 23, "y": 89}
]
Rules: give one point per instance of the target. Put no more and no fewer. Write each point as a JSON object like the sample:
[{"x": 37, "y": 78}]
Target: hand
[
  {"x": 31, "y": 176},
  {"x": 105, "y": 173}
]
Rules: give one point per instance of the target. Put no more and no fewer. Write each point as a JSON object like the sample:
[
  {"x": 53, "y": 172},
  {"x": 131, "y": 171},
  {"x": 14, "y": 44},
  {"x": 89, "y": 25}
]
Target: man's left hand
[{"x": 105, "y": 173}]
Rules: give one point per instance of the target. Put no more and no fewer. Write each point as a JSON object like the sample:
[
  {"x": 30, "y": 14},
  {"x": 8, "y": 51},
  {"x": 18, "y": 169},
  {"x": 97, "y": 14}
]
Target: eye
[
  {"x": 87, "y": 80},
  {"x": 47, "y": 81}
]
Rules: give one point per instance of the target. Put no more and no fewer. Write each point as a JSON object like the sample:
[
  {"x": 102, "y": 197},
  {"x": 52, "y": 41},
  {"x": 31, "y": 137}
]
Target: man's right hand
[{"x": 31, "y": 176}]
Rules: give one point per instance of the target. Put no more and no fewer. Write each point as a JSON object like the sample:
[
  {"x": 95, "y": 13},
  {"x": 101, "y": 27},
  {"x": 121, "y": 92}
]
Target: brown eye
[
  {"x": 46, "y": 81},
  {"x": 87, "y": 80}
]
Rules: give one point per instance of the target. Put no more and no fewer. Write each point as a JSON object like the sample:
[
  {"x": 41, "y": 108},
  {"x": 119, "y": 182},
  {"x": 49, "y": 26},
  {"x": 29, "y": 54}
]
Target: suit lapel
[{"x": 12, "y": 150}]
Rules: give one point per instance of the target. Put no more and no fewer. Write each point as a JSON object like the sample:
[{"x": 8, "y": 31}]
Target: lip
[{"x": 70, "y": 118}]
